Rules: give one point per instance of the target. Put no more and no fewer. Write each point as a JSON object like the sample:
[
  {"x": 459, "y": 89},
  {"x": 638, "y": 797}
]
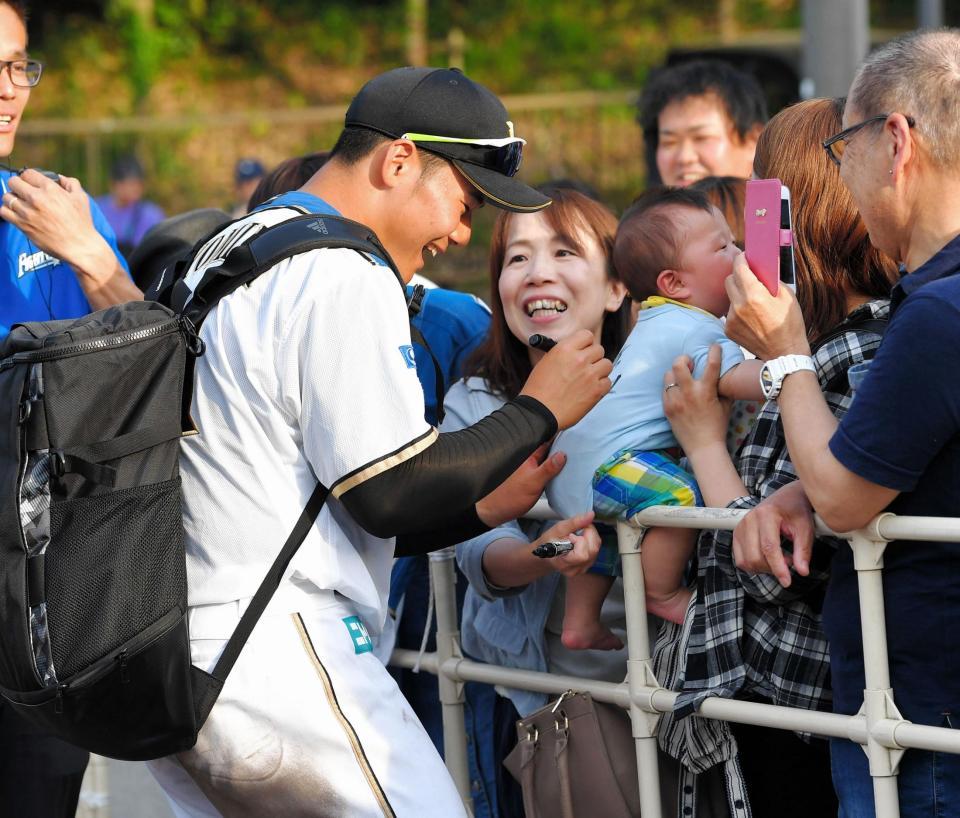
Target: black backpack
[{"x": 93, "y": 636}]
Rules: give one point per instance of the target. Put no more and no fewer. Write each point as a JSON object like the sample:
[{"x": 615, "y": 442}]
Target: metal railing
[{"x": 884, "y": 734}]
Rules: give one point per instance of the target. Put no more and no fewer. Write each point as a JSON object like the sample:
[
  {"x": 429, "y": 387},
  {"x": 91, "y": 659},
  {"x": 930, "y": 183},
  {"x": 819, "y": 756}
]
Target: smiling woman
[{"x": 550, "y": 274}]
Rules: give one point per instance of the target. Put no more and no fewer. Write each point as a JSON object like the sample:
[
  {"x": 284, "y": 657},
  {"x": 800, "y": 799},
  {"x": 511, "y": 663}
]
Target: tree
[{"x": 137, "y": 25}]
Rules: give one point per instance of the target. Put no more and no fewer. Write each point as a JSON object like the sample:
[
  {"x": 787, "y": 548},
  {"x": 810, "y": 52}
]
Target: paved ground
[{"x": 120, "y": 789}]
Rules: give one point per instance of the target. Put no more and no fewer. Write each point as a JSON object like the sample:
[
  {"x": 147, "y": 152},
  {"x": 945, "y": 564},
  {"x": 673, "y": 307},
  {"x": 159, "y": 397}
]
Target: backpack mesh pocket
[{"x": 118, "y": 568}]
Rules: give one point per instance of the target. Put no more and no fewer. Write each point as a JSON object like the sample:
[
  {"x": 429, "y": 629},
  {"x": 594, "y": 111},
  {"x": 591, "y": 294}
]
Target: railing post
[
  {"x": 444, "y": 578},
  {"x": 639, "y": 671},
  {"x": 868, "y": 547}
]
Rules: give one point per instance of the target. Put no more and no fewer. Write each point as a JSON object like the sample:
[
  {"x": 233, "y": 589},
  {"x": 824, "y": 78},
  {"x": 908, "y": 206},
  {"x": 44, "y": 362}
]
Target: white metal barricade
[{"x": 879, "y": 727}]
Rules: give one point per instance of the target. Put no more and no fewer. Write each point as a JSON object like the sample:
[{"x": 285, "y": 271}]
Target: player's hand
[
  {"x": 570, "y": 378},
  {"x": 756, "y": 539},
  {"x": 766, "y": 325},
  {"x": 586, "y": 544},
  {"x": 520, "y": 491}
]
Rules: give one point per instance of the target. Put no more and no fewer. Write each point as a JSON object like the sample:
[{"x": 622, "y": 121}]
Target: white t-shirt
[{"x": 308, "y": 375}]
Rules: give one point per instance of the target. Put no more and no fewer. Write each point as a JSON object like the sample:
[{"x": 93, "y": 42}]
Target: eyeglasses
[
  {"x": 503, "y": 155},
  {"x": 23, "y": 73},
  {"x": 836, "y": 144}
]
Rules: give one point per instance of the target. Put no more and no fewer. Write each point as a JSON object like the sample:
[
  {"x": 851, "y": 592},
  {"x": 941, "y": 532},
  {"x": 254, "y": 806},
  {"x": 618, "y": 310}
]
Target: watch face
[{"x": 766, "y": 381}]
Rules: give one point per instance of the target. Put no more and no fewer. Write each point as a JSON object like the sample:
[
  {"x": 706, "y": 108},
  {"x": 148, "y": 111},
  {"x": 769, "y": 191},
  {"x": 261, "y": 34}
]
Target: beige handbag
[{"x": 576, "y": 758}]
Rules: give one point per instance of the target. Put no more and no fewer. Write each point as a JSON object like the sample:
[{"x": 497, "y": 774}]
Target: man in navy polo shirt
[{"x": 898, "y": 448}]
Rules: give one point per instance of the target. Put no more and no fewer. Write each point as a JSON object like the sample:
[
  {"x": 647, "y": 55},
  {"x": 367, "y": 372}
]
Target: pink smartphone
[{"x": 768, "y": 235}]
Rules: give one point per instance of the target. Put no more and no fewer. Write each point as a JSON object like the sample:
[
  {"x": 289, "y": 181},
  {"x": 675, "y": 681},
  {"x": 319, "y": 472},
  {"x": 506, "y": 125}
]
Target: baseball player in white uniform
[{"x": 309, "y": 376}]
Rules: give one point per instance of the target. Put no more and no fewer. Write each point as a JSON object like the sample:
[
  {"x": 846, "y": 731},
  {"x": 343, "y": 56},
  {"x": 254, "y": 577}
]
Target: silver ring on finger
[{"x": 670, "y": 386}]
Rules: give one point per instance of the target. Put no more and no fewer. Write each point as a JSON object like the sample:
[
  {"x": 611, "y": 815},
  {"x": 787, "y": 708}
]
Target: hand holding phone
[{"x": 768, "y": 233}]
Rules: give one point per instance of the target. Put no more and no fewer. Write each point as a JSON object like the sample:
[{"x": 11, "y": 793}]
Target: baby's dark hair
[{"x": 649, "y": 240}]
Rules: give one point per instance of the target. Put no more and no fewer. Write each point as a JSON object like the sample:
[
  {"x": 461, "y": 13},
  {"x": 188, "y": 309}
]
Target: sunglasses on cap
[{"x": 501, "y": 155}]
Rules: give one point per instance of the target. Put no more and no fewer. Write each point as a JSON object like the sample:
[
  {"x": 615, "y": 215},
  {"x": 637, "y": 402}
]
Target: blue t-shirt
[
  {"x": 631, "y": 415},
  {"x": 37, "y": 286},
  {"x": 453, "y": 324},
  {"x": 903, "y": 432},
  {"x": 130, "y": 223}
]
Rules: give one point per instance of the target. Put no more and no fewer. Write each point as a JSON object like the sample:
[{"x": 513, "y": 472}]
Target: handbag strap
[
  {"x": 528, "y": 754},
  {"x": 561, "y": 754}
]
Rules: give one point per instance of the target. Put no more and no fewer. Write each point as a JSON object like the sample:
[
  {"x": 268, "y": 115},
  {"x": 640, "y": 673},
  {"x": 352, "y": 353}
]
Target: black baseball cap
[{"x": 429, "y": 105}]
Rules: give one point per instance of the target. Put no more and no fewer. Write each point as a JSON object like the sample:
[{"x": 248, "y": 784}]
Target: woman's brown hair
[
  {"x": 502, "y": 359},
  {"x": 727, "y": 194},
  {"x": 834, "y": 257}
]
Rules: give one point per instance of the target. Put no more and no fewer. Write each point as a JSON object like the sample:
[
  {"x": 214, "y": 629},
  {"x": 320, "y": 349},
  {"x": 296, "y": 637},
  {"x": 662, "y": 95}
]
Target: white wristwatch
[{"x": 773, "y": 372}]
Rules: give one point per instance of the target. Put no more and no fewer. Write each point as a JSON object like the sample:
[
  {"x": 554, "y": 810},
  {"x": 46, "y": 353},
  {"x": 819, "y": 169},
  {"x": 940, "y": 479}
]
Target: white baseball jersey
[{"x": 308, "y": 375}]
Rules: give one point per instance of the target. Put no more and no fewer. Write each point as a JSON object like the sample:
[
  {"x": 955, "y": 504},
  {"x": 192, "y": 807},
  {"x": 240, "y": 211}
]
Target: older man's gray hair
[{"x": 918, "y": 75}]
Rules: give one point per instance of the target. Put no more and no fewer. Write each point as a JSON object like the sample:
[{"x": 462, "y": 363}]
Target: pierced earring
[{"x": 890, "y": 172}]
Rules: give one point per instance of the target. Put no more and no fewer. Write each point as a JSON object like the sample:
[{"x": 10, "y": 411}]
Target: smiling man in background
[
  {"x": 60, "y": 257},
  {"x": 699, "y": 119}
]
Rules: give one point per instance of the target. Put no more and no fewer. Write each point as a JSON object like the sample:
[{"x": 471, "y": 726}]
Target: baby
[{"x": 673, "y": 251}]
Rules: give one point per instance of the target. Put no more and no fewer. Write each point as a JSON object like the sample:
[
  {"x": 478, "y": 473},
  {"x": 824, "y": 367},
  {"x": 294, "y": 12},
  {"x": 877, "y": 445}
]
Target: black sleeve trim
[{"x": 436, "y": 489}]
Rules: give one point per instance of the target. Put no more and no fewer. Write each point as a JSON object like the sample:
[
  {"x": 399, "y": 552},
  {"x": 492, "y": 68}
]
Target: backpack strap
[
  {"x": 247, "y": 261},
  {"x": 414, "y": 305},
  {"x": 251, "y": 259},
  {"x": 875, "y": 325},
  {"x": 269, "y": 585}
]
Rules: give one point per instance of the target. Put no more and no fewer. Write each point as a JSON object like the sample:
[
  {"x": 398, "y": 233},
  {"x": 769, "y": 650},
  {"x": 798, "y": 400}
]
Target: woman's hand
[
  {"x": 698, "y": 415},
  {"x": 586, "y": 544},
  {"x": 516, "y": 495},
  {"x": 769, "y": 326}
]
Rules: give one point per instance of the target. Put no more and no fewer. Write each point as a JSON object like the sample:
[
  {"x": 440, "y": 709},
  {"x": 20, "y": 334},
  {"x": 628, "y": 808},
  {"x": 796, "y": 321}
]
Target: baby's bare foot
[
  {"x": 592, "y": 636},
  {"x": 673, "y": 608}
]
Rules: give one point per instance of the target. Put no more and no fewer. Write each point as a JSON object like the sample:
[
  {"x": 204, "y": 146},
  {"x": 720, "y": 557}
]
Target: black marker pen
[
  {"x": 553, "y": 549},
  {"x": 543, "y": 342}
]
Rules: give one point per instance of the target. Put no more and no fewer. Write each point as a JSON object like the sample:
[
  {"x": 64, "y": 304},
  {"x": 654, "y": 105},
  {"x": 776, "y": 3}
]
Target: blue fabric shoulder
[
  {"x": 453, "y": 325},
  {"x": 102, "y": 226}
]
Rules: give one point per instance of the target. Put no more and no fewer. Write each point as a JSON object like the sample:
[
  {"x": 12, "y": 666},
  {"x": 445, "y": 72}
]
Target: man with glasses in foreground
[
  {"x": 309, "y": 376},
  {"x": 898, "y": 447},
  {"x": 59, "y": 257}
]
